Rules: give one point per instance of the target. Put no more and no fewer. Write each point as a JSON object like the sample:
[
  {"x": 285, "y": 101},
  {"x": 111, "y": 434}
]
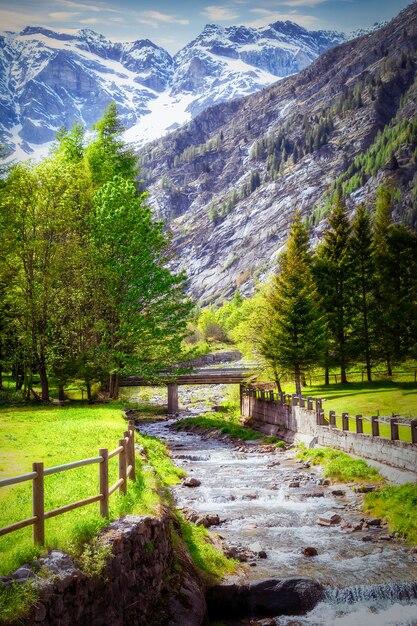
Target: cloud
[
  {"x": 95, "y": 8},
  {"x": 62, "y": 15},
  {"x": 219, "y": 14},
  {"x": 16, "y": 21},
  {"x": 154, "y": 18},
  {"x": 302, "y": 3},
  {"x": 269, "y": 17}
]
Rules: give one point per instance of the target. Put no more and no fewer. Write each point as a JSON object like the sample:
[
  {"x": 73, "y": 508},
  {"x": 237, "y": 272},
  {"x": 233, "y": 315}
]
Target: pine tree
[
  {"x": 292, "y": 337},
  {"x": 364, "y": 279},
  {"x": 333, "y": 268}
]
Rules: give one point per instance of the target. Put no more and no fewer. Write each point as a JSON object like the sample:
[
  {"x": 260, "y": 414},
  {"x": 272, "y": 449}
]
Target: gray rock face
[
  {"x": 291, "y": 596},
  {"x": 227, "y": 230}
]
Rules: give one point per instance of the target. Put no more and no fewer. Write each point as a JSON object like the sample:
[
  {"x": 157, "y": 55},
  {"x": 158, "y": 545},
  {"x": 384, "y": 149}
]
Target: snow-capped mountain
[{"x": 50, "y": 79}]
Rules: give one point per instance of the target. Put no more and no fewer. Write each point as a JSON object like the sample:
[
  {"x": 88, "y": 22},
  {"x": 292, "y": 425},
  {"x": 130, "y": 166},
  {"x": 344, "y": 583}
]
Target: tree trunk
[
  {"x": 116, "y": 387},
  {"x": 88, "y": 386},
  {"x": 44, "y": 381},
  {"x": 326, "y": 375},
  {"x": 389, "y": 366},
  {"x": 277, "y": 379},
  {"x": 1, "y": 379},
  {"x": 297, "y": 376},
  {"x": 61, "y": 392}
]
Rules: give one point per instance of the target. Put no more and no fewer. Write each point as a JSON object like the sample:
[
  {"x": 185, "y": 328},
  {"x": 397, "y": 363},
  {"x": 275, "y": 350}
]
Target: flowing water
[{"x": 367, "y": 582}]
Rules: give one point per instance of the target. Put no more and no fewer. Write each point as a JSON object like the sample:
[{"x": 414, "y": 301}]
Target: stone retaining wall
[
  {"x": 291, "y": 422},
  {"x": 399, "y": 454},
  {"x": 143, "y": 584}
]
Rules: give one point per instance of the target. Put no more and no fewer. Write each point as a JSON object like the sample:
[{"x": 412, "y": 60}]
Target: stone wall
[
  {"x": 399, "y": 454},
  {"x": 286, "y": 419},
  {"x": 146, "y": 582}
]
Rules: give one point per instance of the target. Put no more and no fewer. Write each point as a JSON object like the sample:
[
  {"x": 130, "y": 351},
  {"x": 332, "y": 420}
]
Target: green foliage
[
  {"x": 398, "y": 506},
  {"x": 292, "y": 332},
  {"x": 223, "y": 425},
  {"x": 94, "y": 557},
  {"x": 340, "y": 466},
  {"x": 82, "y": 431},
  {"x": 17, "y": 600},
  {"x": 209, "y": 560},
  {"x": 107, "y": 154},
  {"x": 88, "y": 290}
]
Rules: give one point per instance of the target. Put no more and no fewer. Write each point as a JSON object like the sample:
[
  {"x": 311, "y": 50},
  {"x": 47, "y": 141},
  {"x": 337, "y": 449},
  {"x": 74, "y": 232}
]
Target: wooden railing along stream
[{"x": 126, "y": 453}]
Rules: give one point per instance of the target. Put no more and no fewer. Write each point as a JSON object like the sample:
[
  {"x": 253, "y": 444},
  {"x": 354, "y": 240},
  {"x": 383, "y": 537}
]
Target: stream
[{"x": 269, "y": 503}]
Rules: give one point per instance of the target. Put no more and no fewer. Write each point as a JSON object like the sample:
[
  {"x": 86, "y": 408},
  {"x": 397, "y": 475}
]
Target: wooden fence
[
  {"x": 393, "y": 427},
  {"x": 126, "y": 453}
]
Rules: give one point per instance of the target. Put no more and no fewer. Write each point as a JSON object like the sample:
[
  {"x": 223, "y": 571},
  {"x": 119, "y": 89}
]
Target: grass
[
  {"x": 381, "y": 397},
  {"x": 61, "y": 435},
  {"x": 339, "y": 466},
  {"x": 222, "y": 424},
  {"x": 208, "y": 559},
  {"x": 398, "y": 506}
]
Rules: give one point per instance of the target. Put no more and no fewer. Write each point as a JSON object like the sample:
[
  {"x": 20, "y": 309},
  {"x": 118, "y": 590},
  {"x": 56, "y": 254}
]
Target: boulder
[
  {"x": 310, "y": 551},
  {"x": 329, "y": 519},
  {"x": 191, "y": 482},
  {"x": 267, "y": 598}
]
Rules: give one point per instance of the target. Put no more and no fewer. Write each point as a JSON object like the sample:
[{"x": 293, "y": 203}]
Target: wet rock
[
  {"x": 317, "y": 493},
  {"x": 338, "y": 492},
  {"x": 262, "y": 554},
  {"x": 324, "y": 482},
  {"x": 264, "y": 598},
  {"x": 294, "y": 483},
  {"x": 385, "y": 538},
  {"x": 310, "y": 551},
  {"x": 367, "y": 538},
  {"x": 365, "y": 489},
  {"x": 191, "y": 482},
  {"x": 328, "y": 519},
  {"x": 374, "y": 521},
  {"x": 207, "y": 520}
]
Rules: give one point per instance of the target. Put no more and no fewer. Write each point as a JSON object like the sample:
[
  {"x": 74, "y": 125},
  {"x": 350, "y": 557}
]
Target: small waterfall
[{"x": 386, "y": 592}]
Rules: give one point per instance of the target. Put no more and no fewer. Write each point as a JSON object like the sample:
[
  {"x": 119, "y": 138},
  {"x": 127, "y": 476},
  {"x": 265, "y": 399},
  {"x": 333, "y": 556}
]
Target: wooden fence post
[
  {"x": 302, "y": 402},
  {"x": 320, "y": 418},
  {"x": 375, "y": 426},
  {"x": 131, "y": 454},
  {"x": 128, "y": 453},
  {"x": 332, "y": 419},
  {"x": 122, "y": 466},
  {"x": 345, "y": 421},
  {"x": 394, "y": 428},
  {"x": 38, "y": 505},
  {"x": 309, "y": 403},
  {"x": 104, "y": 481},
  {"x": 413, "y": 425},
  {"x": 359, "y": 424}
]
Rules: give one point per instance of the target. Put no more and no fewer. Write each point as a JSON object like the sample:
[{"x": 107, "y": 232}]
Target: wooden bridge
[{"x": 198, "y": 376}]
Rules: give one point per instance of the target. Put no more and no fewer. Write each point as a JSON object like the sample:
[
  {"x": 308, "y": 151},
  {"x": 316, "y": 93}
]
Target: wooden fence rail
[
  {"x": 348, "y": 423},
  {"x": 126, "y": 453}
]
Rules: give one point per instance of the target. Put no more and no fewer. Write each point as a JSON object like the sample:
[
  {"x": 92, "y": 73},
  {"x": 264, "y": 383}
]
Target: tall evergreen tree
[
  {"x": 293, "y": 331},
  {"x": 333, "y": 269},
  {"x": 108, "y": 155},
  {"x": 363, "y": 282}
]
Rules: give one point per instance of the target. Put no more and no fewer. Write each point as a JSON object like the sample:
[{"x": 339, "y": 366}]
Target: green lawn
[
  {"x": 382, "y": 397},
  {"x": 58, "y": 435}
]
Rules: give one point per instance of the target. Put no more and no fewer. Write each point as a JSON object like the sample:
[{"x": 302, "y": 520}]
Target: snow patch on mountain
[{"x": 50, "y": 79}]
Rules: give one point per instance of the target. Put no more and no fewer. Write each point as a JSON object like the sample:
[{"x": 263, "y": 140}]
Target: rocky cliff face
[
  {"x": 50, "y": 79},
  {"x": 229, "y": 182}
]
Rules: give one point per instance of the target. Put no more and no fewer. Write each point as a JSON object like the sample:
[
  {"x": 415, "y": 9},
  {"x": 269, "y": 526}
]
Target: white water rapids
[{"x": 367, "y": 582}]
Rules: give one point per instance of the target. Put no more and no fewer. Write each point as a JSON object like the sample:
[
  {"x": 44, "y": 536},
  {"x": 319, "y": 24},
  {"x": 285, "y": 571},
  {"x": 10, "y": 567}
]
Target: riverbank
[{"x": 270, "y": 504}]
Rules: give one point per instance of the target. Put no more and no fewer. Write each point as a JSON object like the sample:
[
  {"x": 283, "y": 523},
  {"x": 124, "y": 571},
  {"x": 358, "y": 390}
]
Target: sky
[{"x": 174, "y": 23}]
